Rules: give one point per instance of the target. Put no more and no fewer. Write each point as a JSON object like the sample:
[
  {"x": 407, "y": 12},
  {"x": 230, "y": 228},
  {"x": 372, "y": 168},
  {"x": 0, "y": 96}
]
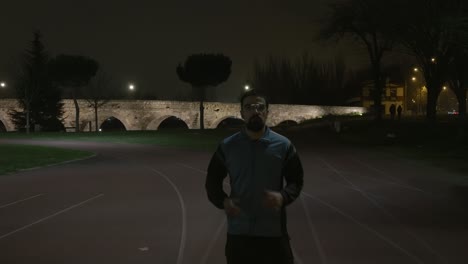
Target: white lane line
[
  {"x": 213, "y": 241},
  {"x": 397, "y": 181},
  {"x": 19, "y": 201},
  {"x": 323, "y": 256},
  {"x": 50, "y": 216},
  {"x": 355, "y": 188},
  {"x": 382, "y": 208},
  {"x": 183, "y": 238},
  {"x": 382, "y": 181},
  {"x": 225, "y": 181},
  {"x": 297, "y": 259},
  {"x": 366, "y": 227},
  {"x": 190, "y": 167},
  {"x": 205, "y": 257},
  {"x": 55, "y": 164}
]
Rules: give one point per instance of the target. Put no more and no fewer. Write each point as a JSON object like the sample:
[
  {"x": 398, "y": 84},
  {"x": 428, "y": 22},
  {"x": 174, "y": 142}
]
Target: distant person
[
  {"x": 399, "y": 109},
  {"x": 337, "y": 126},
  {"x": 258, "y": 162},
  {"x": 392, "y": 111}
]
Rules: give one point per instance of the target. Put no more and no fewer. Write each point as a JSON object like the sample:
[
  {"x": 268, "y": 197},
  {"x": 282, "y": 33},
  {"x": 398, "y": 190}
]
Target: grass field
[
  {"x": 17, "y": 157},
  {"x": 443, "y": 144},
  {"x": 194, "y": 139},
  {"x": 14, "y": 157}
]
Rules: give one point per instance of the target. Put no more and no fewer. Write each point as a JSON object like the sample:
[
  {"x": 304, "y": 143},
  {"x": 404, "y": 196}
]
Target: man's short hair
[{"x": 256, "y": 93}]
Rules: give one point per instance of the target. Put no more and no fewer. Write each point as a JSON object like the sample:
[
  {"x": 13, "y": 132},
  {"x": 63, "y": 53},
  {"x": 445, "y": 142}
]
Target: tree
[
  {"x": 97, "y": 94},
  {"x": 300, "y": 81},
  {"x": 367, "y": 23},
  {"x": 203, "y": 71},
  {"x": 433, "y": 31},
  {"x": 458, "y": 80},
  {"x": 354, "y": 84},
  {"x": 73, "y": 72},
  {"x": 37, "y": 95}
]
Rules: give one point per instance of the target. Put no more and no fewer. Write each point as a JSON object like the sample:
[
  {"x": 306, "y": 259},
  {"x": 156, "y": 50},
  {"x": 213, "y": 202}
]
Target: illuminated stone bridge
[{"x": 149, "y": 114}]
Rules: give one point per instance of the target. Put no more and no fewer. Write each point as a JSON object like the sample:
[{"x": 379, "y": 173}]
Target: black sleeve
[
  {"x": 214, "y": 179},
  {"x": 294, "y": 176}
]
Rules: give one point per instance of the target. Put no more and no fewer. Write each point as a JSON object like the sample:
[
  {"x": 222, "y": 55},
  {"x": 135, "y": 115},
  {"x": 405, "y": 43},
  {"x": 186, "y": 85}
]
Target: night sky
[{"x": 143, "y": 41}]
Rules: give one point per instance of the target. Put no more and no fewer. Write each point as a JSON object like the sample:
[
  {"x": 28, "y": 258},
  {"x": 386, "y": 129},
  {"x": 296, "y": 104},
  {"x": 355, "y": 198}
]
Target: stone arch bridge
[{"x": 149, "y": 114}]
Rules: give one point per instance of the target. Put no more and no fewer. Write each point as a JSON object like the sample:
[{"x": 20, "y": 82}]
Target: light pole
[
  {"x": 446, "y": 99},
  {"x": 420, "y": 101},
  {"x": 413, "y": 80}
]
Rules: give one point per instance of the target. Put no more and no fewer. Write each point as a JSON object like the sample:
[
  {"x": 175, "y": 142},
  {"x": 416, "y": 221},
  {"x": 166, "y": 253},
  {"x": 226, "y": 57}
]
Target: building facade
[{"x": 391, "y": 94}]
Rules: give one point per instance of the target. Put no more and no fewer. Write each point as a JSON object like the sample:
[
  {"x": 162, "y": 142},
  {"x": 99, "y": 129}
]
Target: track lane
[{"x": 142, "y": 209}]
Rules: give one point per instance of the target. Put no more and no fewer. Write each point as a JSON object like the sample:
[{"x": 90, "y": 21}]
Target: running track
[{"x": 147, "y": 204}]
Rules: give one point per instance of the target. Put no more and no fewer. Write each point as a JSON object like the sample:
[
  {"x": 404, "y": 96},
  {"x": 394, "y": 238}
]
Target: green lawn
[
  {"x": 14, "y": 157},
  {"x": 193, "y": 139},
  {"x": 443, "y": 144}
]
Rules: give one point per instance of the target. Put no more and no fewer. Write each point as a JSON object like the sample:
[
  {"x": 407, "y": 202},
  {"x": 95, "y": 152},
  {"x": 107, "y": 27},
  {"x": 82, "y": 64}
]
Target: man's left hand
[{"x": 273, "y": 200}]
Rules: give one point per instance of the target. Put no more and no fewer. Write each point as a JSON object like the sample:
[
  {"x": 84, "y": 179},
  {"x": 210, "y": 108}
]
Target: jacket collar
[{"x": 265, "y": 138}]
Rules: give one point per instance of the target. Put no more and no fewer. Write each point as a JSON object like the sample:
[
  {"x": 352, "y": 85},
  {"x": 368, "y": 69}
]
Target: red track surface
[{"x": 147, "y": 204}]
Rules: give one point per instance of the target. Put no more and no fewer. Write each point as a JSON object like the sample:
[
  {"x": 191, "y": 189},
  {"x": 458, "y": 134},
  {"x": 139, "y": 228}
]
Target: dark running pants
[{"x": 250, "y": 250}]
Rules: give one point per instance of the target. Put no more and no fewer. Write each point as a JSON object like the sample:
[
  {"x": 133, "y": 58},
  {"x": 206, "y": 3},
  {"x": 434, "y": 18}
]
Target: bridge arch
[
  {"x": 287, "y": 122},
  {"x": 155, "y": 123},
  {"x": 173, "y": 122},
  {"x": 6, "y": 121},
  {"x": 2, "y": 127},
  {"x": 112, "y": 114},
  {"x": 148, "y": 114},
  {"x": 279, "y": 122},
  {"x": 234, "y": 120},
  {"x": 112, "y": 124}
]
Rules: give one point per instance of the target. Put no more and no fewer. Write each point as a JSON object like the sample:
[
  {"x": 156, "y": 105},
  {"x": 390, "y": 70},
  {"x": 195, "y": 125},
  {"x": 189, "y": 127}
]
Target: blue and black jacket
[{"x": 254, "y": 166}]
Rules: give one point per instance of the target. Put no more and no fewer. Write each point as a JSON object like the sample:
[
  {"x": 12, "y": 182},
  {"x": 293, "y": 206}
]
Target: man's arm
[
  {"x": 214, "y": 179},
  {"x": 294, "y": 176}
]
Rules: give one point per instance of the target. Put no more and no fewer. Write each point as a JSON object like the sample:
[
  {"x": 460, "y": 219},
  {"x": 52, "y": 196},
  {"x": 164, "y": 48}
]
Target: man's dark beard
[{"x": 255, "y": 124}]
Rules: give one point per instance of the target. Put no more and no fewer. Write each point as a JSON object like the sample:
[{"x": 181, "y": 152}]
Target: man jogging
[{"x": 265, "y": 175}]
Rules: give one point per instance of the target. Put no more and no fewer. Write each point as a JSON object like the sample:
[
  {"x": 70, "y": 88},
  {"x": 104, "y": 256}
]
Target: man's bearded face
[
  {"x": 254, "y": 113},
  {"x": 255, "y": 123}
]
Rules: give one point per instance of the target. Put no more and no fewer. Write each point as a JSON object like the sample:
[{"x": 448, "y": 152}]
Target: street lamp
[
  {"x": 446, "y": 101},
  {"x": 3, "y": 84},
  {"x": 246, "y": 87},
  {"x": 131, "y": 87}
]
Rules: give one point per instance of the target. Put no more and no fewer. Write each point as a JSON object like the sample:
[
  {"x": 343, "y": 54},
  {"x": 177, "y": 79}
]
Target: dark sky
[{"x": 143, "y": 41}]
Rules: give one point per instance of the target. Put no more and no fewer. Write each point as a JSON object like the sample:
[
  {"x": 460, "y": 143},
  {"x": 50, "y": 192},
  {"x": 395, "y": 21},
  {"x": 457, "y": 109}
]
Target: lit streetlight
[
  {"x": 415, "y": 69},
  {"x": 131, "y": 87},
  {"x": 413, "y": 79},
  {"x": 433, "y": 60},
  {"x": 246, "y": 87},
  {"x": 3, "y": 84}
]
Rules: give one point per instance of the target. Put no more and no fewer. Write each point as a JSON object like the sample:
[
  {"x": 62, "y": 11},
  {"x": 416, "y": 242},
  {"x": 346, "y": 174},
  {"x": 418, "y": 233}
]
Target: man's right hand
[{"x": 230, "y": 207}]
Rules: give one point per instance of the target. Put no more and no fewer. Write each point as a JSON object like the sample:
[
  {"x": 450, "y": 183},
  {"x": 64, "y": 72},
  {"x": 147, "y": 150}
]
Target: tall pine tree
[{"x": 38, "y": 98}]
